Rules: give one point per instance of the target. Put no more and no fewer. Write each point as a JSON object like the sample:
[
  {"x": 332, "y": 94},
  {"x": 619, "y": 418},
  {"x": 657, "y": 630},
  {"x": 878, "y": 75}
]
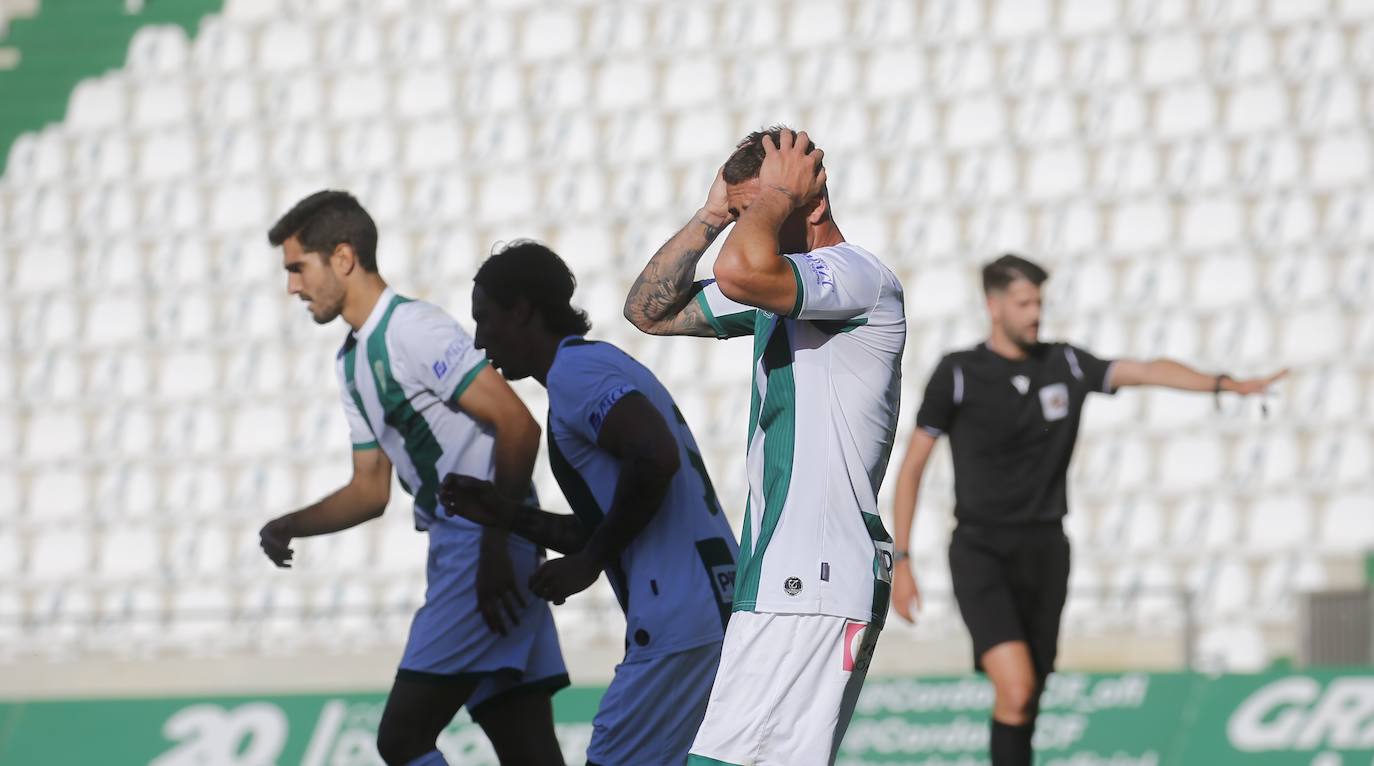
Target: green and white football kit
[
  {"x": 402, "y": 374},
  {"x": 815, "y": 566}
]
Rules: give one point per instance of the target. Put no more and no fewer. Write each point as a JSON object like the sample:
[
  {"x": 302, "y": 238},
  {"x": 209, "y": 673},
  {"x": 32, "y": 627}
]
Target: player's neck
[
  {"x": 361, "y": 299},
  {"x": 999, "y": 344},
  {"x": 544, "y": 348},
  {"x": 826, "y": 234}
]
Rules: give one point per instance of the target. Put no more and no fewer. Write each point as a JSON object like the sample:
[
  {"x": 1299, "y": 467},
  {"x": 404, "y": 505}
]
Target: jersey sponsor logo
[
  {"x": 1020, "y": 383},
  {"x": 1054, "y": 401},
  {"x": 446, "y": 363},
  {"x": 855, "y": 656},
  {"x": 723, "y": 578},
  {"x": 793, "y": 585},
  {"x": 603, "y": 407},
  {"x": 820, "y": 268}
]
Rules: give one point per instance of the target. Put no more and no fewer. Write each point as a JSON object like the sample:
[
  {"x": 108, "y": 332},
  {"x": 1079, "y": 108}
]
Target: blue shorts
[
  {"x": 449, "y": 641},
  {"x": 652, "y": 709}
]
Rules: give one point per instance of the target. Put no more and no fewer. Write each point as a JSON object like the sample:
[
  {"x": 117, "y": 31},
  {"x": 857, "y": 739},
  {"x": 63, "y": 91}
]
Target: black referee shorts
[{"x": 1011, "y": 583}]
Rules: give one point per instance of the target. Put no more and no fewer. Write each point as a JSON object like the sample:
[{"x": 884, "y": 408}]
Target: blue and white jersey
[{"x": 675, "y": 580}]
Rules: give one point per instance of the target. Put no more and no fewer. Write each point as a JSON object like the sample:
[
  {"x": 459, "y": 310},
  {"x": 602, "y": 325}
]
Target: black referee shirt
[{"x": 1012, "y": 426}]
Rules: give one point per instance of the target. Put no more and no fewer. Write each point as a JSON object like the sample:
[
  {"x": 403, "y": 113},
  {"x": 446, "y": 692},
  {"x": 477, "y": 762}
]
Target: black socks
[{"x": 1011, "y": 745}]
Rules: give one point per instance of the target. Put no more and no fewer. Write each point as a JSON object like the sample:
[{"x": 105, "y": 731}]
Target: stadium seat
[
  {"x": 57, "y": 555},
  {"x": 1224, "y": 587},
  {"x": 1168, "y": 410},
  {"x": 1158, "y": 282},
  {"x": 348, "y": 609},
  {"x": 1191, "y": 461},
  {"x": 60, "y": 619},
  {"x": 1171, "y": 59},
  {"x": 159, "y": 50},
  {"x": 11, "y": 552},
  {"x": 1280, "y": 522},
  {"x": 127, "y": 553},
  {"x": 1221, "y": 280},
  {"x": 54, "y": 436},
  {"x": 1313, "y": 335},
  {"x": 399, "y": 546},
  {"x": 1086, "y": 590},
  {"x": 1231, "y": 648},
  {"x": 96, "y": 105},
  {"x": 199, "y": 616},
  {"x": 258, "y": 429},
  {"x": 399, "y": 598},
  {"x": 1340, "y": 458},
  {"x": 1348, "y": 523}
]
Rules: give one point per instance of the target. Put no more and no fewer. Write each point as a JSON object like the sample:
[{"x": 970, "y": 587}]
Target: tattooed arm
[{"x": 660, "y": 301}]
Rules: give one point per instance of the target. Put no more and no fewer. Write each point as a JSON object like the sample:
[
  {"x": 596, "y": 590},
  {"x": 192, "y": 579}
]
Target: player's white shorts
[
  {"x": 785, "y": 691},
  {"x": 449, "y": 641},
  {"x": 653, "y": 708}
]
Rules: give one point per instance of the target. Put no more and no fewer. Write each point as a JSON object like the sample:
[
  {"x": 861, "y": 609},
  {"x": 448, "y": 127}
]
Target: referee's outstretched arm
[
  {"x": 905, "y": 592},
  {"x": 1168, "y": 373}
]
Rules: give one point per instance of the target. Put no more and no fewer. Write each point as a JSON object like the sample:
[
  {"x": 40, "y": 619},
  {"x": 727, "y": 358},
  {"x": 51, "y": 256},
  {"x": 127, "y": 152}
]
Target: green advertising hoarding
[{"x": 1131, "y": 719}]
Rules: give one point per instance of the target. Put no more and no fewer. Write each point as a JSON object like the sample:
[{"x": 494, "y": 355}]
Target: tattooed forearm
[
  {"x": 659, "y": 302},
  {"x": 556, "y": 531}
]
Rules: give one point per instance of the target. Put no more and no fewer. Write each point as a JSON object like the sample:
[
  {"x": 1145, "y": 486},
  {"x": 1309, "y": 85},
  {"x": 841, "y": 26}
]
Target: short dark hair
[
  {"x": 1009, "y": 268},
  {"x": 325, "y": 220},
  {"x": 747, "y": 158},
  {"x": 530, "y": 270}
]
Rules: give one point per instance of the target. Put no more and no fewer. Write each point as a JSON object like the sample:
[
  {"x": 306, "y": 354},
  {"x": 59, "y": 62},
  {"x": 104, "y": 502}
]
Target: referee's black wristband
[{"x": 1216, "y": 388}]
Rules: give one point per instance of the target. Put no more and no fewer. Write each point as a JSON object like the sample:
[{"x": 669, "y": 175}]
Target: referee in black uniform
[{"x": 1011, "y": 407}]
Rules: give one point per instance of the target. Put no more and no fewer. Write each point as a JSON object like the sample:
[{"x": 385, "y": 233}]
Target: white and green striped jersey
[
  {"x": 401, "y": 375},
  {"x": 822, "y": 420}
]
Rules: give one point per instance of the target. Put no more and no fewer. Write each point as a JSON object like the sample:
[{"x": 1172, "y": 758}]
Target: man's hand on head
[
  {"x": 792, "y": 167},
  {"x": 716, "y": 212}
]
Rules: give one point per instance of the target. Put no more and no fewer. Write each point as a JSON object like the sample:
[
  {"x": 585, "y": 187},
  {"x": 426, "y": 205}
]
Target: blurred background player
[
  {"x": 829, "y": 327},
  {"x": 644, "y": 507},
  {"x": 419, "y": 396},
  {"x": 1011, "y": 406}
]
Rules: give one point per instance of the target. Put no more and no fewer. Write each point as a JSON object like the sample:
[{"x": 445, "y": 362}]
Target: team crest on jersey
[
  {"x": 793, "y": 585},
  {"x": 1020, "y": 383},
  {"x": 379, "y": 371},
  {"x": 1054, "y": 400}
]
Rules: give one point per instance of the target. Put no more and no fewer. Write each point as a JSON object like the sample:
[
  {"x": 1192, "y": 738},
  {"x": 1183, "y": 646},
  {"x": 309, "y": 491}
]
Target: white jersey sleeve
[
  {"x": 433, "y": 351},
  {"x": 730, "y": 319},
  {"x": 836, "y": 283},
  {"x": 359, "y": 430},
  {"x": 586, "y": 389}
]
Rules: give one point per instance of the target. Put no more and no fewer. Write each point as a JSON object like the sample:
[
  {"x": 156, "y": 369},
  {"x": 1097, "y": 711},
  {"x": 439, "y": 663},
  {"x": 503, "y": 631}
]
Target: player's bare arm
[
  {"x": 660, "y": 300},
  {"x": 1168, "y": 373},
  {"x": 749, "y": 269},
  {"x": 905, "y": 591},
  {"x": 478, "y": 501},
  {"x": 364, "y": 498},
  {"x": 636, "y": 434},
  {"x": 490, "y": 401}
]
